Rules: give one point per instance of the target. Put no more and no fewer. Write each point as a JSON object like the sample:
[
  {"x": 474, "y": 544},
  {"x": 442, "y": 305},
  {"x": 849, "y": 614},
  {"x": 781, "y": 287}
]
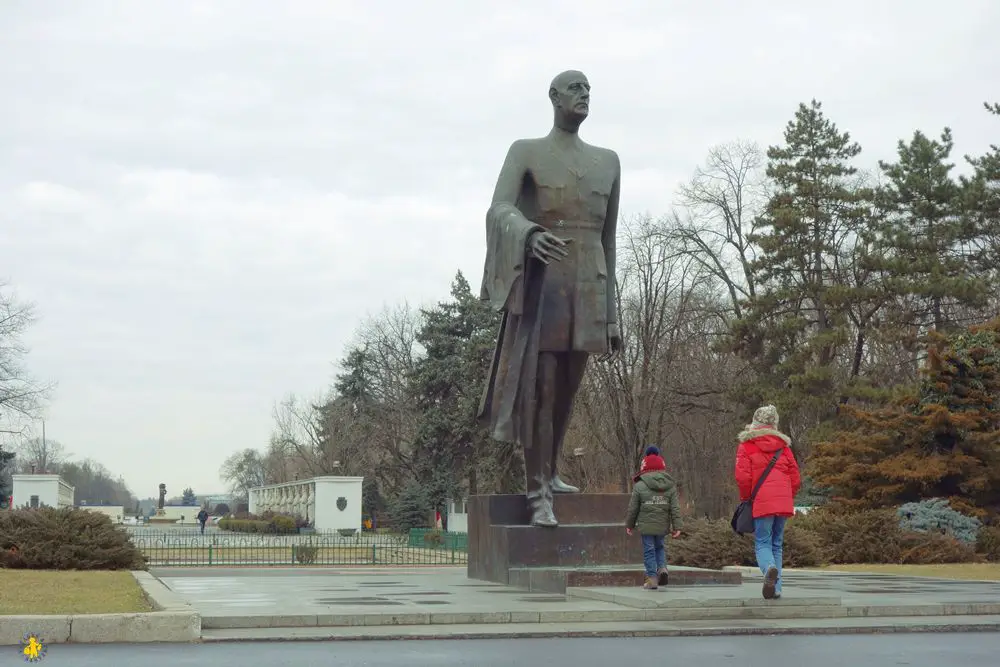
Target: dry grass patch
[
  {"x": 966, "y": 571},
  {"x": 70, "y": 592}
]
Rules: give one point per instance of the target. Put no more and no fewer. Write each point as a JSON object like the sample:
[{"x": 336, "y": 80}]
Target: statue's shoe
[
  {"x": 544, "y": 518},
  {"x": 541, "y": 509},
  {"x": 559, "y": 486}
]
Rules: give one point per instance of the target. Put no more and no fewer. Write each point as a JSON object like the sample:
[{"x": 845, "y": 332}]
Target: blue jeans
[
  {"x": 654, "y": 555},
  {"x": 769, "y": 541}
]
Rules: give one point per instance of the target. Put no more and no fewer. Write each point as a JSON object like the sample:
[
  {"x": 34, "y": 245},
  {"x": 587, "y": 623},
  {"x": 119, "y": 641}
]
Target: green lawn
[{"x": 69, "y": 592}]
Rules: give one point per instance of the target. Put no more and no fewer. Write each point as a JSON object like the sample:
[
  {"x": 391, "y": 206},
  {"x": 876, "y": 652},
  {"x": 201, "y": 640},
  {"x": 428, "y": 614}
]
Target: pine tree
[
  {"x": 446, "y": 384},
  {"x": 797, "y": 324},
  {"x": 924, "y": 247},
  {"x": 982, "y": 200},
  {"x": 940, "y": 439},
  {"x": 411, "y": 508}
]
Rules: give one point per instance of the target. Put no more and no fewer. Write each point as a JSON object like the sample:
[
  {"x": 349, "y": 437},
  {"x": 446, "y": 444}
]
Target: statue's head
[
  {"x": 570, "y": 97},
  {"x": 163, "y": 487}
]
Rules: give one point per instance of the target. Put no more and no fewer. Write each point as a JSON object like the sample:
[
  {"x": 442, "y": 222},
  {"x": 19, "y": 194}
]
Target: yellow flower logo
[{"x": 34, "y": 649}]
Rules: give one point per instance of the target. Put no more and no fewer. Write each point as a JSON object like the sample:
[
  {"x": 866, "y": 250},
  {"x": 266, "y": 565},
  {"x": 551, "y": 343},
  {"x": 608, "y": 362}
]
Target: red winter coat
[{"x": 777, "y": 494}]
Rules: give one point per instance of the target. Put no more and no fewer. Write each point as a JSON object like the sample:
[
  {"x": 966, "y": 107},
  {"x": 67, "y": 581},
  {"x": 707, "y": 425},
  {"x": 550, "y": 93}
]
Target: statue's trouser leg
[
  {"x": 570, "y": 375},
  {"x": 538, "y": 459}
]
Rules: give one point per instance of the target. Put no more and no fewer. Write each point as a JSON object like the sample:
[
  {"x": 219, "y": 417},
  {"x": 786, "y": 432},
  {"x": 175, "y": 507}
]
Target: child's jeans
[{"x": 654, "y": 554}]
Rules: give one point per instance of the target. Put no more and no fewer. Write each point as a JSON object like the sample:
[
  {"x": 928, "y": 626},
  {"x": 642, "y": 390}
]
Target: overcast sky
[{"x": 204, "y": 198}]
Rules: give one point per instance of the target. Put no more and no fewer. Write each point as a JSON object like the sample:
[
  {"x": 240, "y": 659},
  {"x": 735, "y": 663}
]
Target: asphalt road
[{"x": 914, "y": 650}]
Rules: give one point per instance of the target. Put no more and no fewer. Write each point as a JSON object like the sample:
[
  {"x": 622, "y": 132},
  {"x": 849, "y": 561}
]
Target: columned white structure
[
  {"x": 41, "y": 490},
  {"x": 329, "y": 503},
  {"x": 458, "y": 516}
]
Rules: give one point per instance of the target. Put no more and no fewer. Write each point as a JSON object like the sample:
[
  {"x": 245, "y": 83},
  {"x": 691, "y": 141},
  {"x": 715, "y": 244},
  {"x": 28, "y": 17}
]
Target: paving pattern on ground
[
  {"x": 345, "y": 592},
  {"x": 278, "y": 592},
  {"x": 853, "y": 589}
]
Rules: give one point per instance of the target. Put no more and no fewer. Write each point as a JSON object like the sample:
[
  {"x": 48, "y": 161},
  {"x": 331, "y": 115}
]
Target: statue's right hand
[{"x": 547, "y": 247}]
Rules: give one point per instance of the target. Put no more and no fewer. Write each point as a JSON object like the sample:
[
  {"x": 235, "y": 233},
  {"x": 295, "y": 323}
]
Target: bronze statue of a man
[
  {"x": 163, "y": 494},
  {"x": 550, "y": 267}
]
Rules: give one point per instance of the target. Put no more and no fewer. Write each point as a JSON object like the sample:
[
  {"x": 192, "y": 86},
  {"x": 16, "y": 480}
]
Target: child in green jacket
[{"x": 655, "y": 511}]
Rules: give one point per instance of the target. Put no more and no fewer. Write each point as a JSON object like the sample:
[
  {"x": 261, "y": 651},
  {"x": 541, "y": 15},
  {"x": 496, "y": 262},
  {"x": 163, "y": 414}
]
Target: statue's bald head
[
  {"x": 569, "y": 93},
  {"x": 564, "y": 79}
]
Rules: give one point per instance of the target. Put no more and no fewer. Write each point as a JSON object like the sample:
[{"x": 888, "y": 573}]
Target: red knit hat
[{"x": 650, "y": 463}]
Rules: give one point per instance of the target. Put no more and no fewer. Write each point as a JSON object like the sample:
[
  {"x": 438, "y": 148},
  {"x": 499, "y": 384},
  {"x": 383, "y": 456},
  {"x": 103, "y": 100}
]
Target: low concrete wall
[{"x": 172, "y": 621}]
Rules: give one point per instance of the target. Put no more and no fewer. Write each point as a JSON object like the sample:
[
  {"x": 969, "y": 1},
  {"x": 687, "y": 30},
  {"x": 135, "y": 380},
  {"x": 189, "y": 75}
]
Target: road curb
[
  {"x": 564, "y": 633},
  {"x": 753, "y": 610},
  {"x": 172, "y": 621}
]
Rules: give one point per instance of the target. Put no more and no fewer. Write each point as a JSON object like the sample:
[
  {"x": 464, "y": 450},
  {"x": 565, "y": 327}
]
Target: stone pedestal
[
  {"x": 591, "y": 532},
  {"x": 161, "y": 517},
  {"x": 588, "y": 548}
]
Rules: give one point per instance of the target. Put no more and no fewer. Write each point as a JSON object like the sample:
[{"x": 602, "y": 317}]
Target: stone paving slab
[
  {"x": 435, "y": 596},
  {"x": 844, "y": 626},
  {"x": 855, "y": 594},
  {"x": 373, "y": 598}
]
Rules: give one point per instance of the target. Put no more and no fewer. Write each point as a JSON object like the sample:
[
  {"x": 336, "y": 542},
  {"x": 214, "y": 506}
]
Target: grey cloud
[{"x": 205, "y": 198}]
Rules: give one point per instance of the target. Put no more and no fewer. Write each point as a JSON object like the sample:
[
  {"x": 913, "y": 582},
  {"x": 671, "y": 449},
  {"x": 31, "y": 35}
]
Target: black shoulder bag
[{"x": 742, "y": 522}]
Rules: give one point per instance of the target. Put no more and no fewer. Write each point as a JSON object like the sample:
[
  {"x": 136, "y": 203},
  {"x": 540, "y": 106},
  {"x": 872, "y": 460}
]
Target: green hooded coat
[{"x": 654, "y": 508}]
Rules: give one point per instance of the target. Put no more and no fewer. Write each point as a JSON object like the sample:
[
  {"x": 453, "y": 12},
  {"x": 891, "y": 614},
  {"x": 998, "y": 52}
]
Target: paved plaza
[
  {"x": 344, "y": 596},
  {"x": 418, "y": 602},
  {"x": 816, "y": 589}
]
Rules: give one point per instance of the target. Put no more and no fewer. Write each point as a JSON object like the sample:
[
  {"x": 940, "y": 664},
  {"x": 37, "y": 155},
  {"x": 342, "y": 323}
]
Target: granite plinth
[
  {"x": 591, "y": 532},
  {"x": 589, "y": 547}
]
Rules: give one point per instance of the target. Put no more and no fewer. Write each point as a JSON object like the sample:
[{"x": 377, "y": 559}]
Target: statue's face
[{"x": 570, "y": 94}]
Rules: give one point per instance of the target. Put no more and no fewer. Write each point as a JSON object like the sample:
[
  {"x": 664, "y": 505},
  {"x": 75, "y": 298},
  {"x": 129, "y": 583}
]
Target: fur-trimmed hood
[{"x": 767, "y": 439}]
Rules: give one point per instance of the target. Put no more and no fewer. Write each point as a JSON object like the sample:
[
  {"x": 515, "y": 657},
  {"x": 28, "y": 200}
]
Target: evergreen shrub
[
  {"x": 65, "y": 539},
  {"x": 936, "y": 515}
]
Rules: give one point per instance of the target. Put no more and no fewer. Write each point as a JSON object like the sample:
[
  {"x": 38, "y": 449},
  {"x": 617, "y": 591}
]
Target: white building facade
[
  {"x": 458, "y": 516},
  {"x": 41, "y": 491},
  {"x": 329, "y": 503},
  {"x": 114, "y": 512}
]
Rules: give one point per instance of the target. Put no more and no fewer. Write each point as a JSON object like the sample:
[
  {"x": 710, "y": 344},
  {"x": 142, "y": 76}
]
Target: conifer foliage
[
  {"x": 941, "y": 439},
  {"x": 795, "y": 327},
  {"x": 925, "y": 247},
  {"x": 65, "y": 539}
]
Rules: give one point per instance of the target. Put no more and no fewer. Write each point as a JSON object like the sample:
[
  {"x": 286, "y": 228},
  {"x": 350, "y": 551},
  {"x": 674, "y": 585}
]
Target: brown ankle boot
[
  {"x": 650, "y": 584},
  {"x": 662, "y": 577}
]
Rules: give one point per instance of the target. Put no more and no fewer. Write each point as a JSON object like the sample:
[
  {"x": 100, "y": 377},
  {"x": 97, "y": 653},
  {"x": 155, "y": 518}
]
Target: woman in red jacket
[{"x": 774, "y": 503}]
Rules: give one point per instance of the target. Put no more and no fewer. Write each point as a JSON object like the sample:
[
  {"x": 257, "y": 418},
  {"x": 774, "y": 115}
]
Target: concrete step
[
  {"x": 665, "y": 598},
  {"x": 559, "y": 579},
  {"x": 793, "y": 626},
  {"x": 721, "y": 610}
]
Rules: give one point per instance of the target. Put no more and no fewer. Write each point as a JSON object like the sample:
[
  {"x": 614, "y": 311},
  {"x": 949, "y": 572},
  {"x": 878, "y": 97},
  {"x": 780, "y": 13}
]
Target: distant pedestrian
[
  {"x": 764, "y": 457},
  {"x": 202, "y": 518},
  {"x": 654, "y": 511}
]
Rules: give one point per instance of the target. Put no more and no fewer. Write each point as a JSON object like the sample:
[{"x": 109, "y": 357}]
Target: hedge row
[
  {"x": 65, "y": 539},
  {"x": 833, "y": 536},
  {"x": 267, "y": 523}
]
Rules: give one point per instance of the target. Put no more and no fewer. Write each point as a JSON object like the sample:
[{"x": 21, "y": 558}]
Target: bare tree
[
  {"x": 319, "y": 437},
  {"x": 21, "y": 397},
  {"x": 722, "y": 203},
  {"x": 42, "y": 455},
  {"x": 242, "y": 471},
  {"x": 670, "y": 385},
  {"x": 371, "y": 407}
]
